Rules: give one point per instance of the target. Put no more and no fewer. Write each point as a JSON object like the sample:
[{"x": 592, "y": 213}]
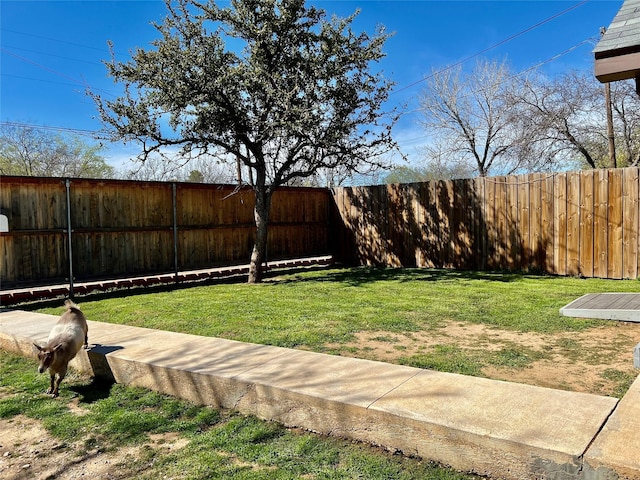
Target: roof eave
[{"x": 623, "y": 67}]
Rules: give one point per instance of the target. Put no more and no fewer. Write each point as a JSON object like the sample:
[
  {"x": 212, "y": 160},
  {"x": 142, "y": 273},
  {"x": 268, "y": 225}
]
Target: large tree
[
  {"x": 32, "y": 151},
  {"x": 470, "y": 114},
  {"x": 565, "y": 118},
  {"x": 626, "y": 120},
  {"x": 272, "y": 84}
]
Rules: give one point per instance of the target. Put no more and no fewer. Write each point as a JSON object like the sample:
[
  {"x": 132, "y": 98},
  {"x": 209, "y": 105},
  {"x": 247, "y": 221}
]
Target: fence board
[
  {"x": 600, "y": 223},
  {"x": 535, "y": 222},
  {"x": 474, "y": 194},
  {"x": 124, "y": 228},
  {"x": 524, "y": 222},
  {"x": 445, "y": 199},
  {"x": 614, "y": 251},
  {"x": 573, "y": 224},
  {"x": 394, "y": 231},
  {"x": 490, "y": 221},
  {"x": 630, "y": 217},
  {"x": 513, "y": 238},
  {"x": 466, "y": 224},
  {"x": 501, "y": 208},
  {"x": 547, "y": 224},
  {"x": 432, "y": 253},
  {"x": 586, "y": 223},
  {"x": 413, "y": 234},
  {"x": 567, "y": 223},
  {"x": 560, "y": 226}
]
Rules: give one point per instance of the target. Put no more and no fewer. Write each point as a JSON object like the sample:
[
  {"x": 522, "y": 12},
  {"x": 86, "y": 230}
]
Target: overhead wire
[
  {"x": 502, "y": 42},
  {"x": 406, "y": 87},
  {"x": 77, "y": 131},
  {"x": 523, "y": 72}
]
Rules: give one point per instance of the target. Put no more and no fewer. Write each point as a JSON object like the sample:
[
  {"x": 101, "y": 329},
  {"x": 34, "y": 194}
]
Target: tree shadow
[
  {"x": 355, "y": 276},
  {"x": 501, "y": 224}
]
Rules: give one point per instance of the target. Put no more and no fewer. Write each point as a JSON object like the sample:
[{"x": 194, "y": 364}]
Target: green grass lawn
[
  {"x": 106, "y": 418},
  {"x": 308, "y": 309},
  {"x": 313, "y": 308}
]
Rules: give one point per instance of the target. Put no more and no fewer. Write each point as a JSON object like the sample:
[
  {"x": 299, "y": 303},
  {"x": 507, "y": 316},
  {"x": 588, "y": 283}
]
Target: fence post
[
  {"x": 175, "y": 229},
  {"x": 70, "y": 249}
]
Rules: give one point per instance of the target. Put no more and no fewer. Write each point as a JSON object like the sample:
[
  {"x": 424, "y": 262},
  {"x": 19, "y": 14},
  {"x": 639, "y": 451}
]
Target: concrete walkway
[{"x": 494, "y": 428}]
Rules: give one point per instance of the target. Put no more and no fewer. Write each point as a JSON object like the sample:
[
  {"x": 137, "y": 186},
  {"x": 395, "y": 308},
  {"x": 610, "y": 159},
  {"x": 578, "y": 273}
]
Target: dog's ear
[{"x": 38, "y": 347}]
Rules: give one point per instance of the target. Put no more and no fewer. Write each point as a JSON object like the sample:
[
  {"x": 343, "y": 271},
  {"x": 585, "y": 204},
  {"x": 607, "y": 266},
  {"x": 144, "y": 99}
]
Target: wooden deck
[{"x": 607, "y": 306}]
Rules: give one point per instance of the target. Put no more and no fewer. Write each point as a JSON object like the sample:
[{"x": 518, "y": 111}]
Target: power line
[
  {"x": 33, "y": 79},
  {"x": 93, "y": 133},
  {"x": 53, "y": 40},
  {"x": 534, "y": 67},
  {"x": 77, "y": 131},
  {"x": 51, "y": 55},
  {"x": 43, "y": 67},
  {"x": 502, "y": 42}
]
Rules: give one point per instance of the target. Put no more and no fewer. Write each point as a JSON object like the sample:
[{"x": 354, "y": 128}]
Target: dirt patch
[
  {"x": 598, "y": 360},
  {"x": 28, "y": 452}
]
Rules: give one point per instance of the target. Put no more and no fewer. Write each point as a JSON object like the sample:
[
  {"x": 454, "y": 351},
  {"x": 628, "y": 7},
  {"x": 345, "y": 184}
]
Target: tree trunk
[{"x": 261, "y": 215}]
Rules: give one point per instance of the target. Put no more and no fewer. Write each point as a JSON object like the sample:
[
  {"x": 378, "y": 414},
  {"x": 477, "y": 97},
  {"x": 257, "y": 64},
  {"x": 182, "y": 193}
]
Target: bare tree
[
  {"x": 472, "y": 115},
  {"x": 31, "y": 151},
  {"x": 565, "y": 118},
  {"x": 626, "y": 113},
  {"x": 175, "y": 168}
]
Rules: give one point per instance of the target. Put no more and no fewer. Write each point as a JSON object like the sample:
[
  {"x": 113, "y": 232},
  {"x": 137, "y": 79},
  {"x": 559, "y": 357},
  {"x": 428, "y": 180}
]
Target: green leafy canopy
[{"x": 271, "y": 83}]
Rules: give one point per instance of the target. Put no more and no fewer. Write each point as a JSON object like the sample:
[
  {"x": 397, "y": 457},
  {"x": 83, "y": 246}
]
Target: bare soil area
[
  {"x": 590, "y": 361},
  {"x": 28, "y": 452}
]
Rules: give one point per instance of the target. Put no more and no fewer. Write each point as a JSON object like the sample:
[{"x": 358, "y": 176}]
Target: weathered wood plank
[
  {"x": 573, "y": 224},
  {"x": 547, "y": 220},
  {"x": 560, "y": 224},
  {"x": 600, "y": 221},
  {"x": 586, "y": 223},
  {"x": 615, "y": 225},
  {"x": 631, "y": 218}
]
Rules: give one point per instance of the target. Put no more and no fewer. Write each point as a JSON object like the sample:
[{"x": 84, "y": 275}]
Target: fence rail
[
  {"x": 576, "y": 223},
  {"x": 129, "y": 228}
]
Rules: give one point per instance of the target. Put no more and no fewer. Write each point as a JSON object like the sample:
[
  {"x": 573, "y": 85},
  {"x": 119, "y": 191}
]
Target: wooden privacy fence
[
  {"x": 577, "y": 223},
  {"x": 128, "y": 228}
]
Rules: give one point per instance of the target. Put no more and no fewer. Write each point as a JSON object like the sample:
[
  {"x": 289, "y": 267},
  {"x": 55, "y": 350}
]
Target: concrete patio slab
[
  {"x": 608, "y": 306},
  {"x": 494, "y": 428}
]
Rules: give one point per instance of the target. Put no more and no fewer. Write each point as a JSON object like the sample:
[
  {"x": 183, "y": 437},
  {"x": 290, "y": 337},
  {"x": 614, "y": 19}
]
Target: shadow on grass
[
  {"x": 98, "y": 389},
  {"x": 363, "y": 275},
  {"x": 353, "y": 276},
  {"x": 125, "y": 292}
]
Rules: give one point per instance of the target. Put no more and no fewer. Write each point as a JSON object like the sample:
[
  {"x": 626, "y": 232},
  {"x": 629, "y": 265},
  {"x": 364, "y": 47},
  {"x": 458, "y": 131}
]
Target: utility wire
[
  {"x": 77, "y": 131},
  {"x": 51, "y": 55},
  {"x": 43, "y": 67},
  {"x": 54, "y": 40},
  {"x": 502, "y": 42},
  {"x": 538, "y": 65},
  {"x": 519, "y": 74}
]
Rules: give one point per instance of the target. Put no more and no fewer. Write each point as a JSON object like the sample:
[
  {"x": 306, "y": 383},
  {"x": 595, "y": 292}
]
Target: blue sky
[{"x": 52, "y": 50}]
